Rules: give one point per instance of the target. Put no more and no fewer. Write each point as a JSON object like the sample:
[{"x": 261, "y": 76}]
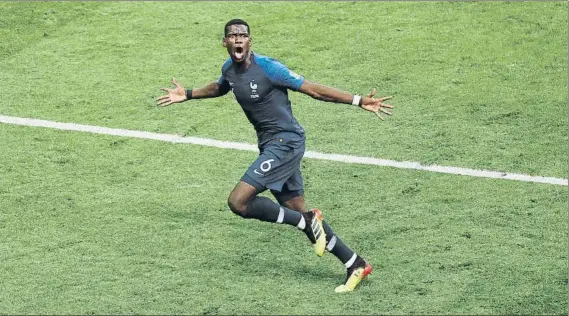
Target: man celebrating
[{"x": 260, "y": 85}]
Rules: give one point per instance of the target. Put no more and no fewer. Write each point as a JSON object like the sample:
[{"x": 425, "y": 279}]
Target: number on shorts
[{"x": 266, "y": 165}]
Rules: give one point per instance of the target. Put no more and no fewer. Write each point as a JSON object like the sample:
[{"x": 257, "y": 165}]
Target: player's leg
[
  {"x": 292, "y": 197},
  {"x": 294, "y": 200},
  {"x": 240, "y": 196},
  {"x": 357, "y": 267},
  {"x": 245, "y": 202}
]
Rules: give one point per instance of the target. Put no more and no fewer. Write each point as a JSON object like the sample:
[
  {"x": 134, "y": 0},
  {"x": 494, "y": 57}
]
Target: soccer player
[{"x": 260, "y": 84}]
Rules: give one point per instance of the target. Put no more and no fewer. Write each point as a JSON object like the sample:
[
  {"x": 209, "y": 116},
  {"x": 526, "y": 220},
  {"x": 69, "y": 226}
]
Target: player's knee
[{"x": 237, "y": 207}]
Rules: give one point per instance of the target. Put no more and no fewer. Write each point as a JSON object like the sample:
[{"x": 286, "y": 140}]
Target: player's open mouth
[{"x": 239, "y": 53}]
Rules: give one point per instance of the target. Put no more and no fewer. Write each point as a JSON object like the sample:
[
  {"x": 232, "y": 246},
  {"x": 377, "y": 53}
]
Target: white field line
[{"x": 248, "y": 147}]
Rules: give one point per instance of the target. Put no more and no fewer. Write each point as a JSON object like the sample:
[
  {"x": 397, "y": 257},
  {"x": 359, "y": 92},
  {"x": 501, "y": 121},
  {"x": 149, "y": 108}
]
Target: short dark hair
[{"x": 237, "y": 22}]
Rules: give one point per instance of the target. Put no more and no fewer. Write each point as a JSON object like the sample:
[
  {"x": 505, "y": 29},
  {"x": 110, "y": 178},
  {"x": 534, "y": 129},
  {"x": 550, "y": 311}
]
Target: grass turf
[{"x": 95, "y": 224}]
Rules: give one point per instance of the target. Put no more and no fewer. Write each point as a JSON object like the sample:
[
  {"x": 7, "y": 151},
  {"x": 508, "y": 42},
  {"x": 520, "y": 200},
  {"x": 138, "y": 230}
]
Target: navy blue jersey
[{"x": 262, "y": 92}]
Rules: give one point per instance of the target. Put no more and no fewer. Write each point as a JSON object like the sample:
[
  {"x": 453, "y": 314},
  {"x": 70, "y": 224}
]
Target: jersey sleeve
[
  {"x": 222, "y": 81},
  {"x": 223, "y": 85},
  {"x": 280, "y": 75}
]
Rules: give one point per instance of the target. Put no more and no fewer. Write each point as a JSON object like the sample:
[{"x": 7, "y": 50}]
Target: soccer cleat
[
  {"x": 315, "y": 231},
  {"x": 356, "y": 274}
]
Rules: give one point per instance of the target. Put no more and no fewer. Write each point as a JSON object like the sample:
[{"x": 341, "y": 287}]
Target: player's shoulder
[
  {"x": 265, "y": 61},
  {"x": 278, "y": 72},
  {"x": 226, "y": 65}
]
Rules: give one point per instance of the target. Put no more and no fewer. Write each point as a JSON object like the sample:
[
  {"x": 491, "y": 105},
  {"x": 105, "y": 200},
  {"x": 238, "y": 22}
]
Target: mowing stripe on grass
[{"x": 249, "y": 147}]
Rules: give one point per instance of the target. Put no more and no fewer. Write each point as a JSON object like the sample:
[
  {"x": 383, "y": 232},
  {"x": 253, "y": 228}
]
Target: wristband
[
  {"x": 189, "y": 94},
  {"x": 357, "y": 100}
]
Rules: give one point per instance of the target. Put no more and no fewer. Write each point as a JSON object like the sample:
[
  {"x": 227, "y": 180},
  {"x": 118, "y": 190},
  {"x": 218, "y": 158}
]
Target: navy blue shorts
[{"x": 278, "y": 166}]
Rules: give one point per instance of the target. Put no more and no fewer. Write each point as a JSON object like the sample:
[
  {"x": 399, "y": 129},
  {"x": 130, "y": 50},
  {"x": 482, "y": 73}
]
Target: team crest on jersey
[{"x": 253, "y": 87}]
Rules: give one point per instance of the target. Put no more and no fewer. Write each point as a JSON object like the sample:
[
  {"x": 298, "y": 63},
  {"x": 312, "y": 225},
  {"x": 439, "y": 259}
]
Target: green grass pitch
[{"x": 95, "y": 224}]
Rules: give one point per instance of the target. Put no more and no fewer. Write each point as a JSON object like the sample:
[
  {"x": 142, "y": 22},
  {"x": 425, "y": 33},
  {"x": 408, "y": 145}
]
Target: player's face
[{"x": 237, "y": 42}]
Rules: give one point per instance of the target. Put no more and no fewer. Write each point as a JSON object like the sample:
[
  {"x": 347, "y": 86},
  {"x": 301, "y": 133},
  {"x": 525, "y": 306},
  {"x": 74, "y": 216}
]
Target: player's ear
[
  {"x": 250, "y": 41},
  {"x": 224, "y": 42}
]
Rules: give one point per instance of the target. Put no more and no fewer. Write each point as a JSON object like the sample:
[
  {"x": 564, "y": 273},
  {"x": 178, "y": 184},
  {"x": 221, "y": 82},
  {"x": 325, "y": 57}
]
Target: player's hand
[
  {"x": 376, "y": 105},
  {"x": 174, "y": 95}
]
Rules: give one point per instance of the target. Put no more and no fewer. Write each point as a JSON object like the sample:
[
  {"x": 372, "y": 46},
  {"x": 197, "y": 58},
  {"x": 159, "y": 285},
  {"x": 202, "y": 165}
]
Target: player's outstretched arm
[
  {"x": 180, "y": 94},
  {"x": 328, "y": 94}
]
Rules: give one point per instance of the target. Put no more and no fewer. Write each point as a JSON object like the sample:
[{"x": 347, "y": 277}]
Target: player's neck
[{"x": 242, "y": 66}]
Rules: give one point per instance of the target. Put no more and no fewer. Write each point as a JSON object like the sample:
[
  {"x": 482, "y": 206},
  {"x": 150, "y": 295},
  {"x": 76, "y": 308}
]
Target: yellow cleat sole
[
  {"x": 320, "y": 245},
  {"x": 354, "y": 279}
]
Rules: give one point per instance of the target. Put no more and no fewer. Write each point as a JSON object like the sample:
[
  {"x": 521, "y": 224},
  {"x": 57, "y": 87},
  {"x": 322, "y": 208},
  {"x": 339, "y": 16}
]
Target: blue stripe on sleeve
[{"x": 278, "y": 73}]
